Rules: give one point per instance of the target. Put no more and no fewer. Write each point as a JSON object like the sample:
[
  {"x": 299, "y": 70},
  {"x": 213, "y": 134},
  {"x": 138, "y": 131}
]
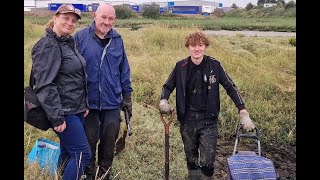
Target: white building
[
  {"x": 113, "y": 2},
  {"x": 29, "y": 4},
  {"x": 206, "y": 5},
  {"x": 269, "y": 5}
]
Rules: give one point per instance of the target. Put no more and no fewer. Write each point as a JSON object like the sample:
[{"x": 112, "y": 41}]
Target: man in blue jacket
[{"x": 109, "y": 86}]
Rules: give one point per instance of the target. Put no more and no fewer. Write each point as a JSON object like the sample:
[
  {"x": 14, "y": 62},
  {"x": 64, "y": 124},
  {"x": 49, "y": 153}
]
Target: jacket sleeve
[
  {"x": 231, "y": 88},
  {"x": 46, "y": 60},
  {"x": 125, "y": 75},
  {"x": 169, "y": 85}
]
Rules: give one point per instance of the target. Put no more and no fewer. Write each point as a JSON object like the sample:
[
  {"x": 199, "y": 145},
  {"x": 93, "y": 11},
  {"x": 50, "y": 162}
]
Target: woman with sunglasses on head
[{"x": 60, "y": 84}]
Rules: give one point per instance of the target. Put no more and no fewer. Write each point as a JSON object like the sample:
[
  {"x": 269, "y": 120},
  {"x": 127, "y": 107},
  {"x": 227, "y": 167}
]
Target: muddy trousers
[
  {"x": 102, "y": 126},
  {"x": 74, "y": 148},
  {"x": 199, "y": 136}
]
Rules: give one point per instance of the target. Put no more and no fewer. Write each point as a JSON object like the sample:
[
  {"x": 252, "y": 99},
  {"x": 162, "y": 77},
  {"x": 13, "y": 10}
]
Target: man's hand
[
  {"x": 127, "y": 103},
  {"x": 164, "y": 106},
  {"x": 245, "y": 120}
]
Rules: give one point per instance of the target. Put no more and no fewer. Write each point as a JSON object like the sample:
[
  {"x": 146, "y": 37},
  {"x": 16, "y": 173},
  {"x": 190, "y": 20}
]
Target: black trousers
[
  {"x": 102, "y": 126},
  {"x": 199, "y": 135}
]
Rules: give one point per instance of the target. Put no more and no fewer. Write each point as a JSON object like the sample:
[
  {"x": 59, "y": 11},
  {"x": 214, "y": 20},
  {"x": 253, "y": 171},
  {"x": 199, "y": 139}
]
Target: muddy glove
[
  {"x": 246, "y": 121},
  {"x": 127, "y": 103},
  {"x": 164, "y": 106}
]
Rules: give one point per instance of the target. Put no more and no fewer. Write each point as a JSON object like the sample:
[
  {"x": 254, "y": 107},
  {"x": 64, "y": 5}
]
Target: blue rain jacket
[{"x": 107, "y": 68}]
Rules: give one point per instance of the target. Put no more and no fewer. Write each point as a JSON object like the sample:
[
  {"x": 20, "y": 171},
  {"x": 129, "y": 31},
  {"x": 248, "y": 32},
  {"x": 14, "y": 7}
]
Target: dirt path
[
  {"x": 251, "y": 33},
  {"x": 282, "y": 156}
]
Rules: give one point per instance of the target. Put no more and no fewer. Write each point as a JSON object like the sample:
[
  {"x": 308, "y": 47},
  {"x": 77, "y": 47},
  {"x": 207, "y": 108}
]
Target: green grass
[
  {"x": 264, "y": 69},
  {"x": 283, "y": 24},
  {"x": 274, "y": 11}
]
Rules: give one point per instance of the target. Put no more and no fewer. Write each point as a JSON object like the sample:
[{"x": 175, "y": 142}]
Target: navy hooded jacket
[{"x": 107, "y": 68}]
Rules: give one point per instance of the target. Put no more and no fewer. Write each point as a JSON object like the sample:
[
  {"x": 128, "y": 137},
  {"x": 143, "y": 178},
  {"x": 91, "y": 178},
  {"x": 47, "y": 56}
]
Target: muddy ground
[{"x": 283, "y": 157}]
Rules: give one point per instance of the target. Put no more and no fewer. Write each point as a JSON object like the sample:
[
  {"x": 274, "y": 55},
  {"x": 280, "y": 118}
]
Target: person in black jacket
[
  {"x": 60, "y": 85},
  {"x": 196, "y": 79}
]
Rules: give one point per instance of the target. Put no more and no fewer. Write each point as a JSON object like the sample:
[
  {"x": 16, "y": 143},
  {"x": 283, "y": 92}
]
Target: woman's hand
[
  {"x": 86, "y": 113},
  {"x": 61, "y": 127}
]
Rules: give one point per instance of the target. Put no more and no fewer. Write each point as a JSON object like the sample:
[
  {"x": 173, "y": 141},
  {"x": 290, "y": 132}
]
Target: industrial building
[
  {"x": 83, "y": 5},
  {"x": 33, "y": 4},
  {"x": 175, "y": 7},
  {"x": 193, "y": 7}
]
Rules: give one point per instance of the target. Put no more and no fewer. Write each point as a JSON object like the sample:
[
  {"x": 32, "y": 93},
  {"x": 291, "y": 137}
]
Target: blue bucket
[{"x": 46, "y": 153}]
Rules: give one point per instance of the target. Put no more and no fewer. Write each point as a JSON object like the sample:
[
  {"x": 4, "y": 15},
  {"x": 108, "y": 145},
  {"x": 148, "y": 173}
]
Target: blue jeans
[{"x": 73, "y": 145}]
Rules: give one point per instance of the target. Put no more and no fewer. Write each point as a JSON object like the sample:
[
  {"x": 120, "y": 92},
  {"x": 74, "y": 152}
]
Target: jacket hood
[{"x": 50, "y": 32}]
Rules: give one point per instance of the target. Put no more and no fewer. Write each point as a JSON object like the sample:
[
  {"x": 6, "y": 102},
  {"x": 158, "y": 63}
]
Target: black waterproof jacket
[
  {"x": 60, "y": 77},
  {"x": 214, "y": 75}
]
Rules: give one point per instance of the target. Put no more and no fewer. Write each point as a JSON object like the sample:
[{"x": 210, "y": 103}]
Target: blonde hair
[
  {"x": 196, "y": 38},
  {"x": 50, "y": 23}
]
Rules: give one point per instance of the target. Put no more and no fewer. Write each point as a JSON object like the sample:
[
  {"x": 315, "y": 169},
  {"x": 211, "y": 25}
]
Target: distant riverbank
[{"x": 251, "y": 33}]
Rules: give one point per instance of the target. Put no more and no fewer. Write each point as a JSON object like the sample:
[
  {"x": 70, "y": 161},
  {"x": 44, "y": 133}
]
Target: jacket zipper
[
  {"x": 85, "y": 81},
  {"x": 104, "y": 52}
]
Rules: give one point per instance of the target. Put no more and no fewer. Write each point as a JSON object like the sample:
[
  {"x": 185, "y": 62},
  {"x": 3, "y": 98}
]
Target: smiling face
[
  {"x": 197, "y": 51},
  {"x": 197, "y": 43},
  {"x": 65, "y": 24},
  {"x": 104, "y": 18}
]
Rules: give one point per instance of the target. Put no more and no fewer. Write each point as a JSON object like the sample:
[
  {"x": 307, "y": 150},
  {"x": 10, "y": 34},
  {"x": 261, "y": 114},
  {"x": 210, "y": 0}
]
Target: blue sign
[
  {"x": 55, "y": 6},
  {"x": 162, "y": 10},
  {"x": 94, "y": 6},
  {"x": 220, "y": 5},
  {"x": 135, "y": 8}
]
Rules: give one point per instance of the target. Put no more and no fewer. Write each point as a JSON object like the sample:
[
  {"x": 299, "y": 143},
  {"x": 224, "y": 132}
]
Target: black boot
[
  {"x": 90, "y": 172},
  {"x": 104, "y": 173},
  {"x": 194, "y": 174},
  {"x": 204, "y": 177},
  {"x": 88, "y": 177}
]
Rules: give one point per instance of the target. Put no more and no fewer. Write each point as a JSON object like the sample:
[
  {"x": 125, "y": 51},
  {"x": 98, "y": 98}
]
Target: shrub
[
  {"x": 218, "y": 12},
  {"x": 290, "y": 4},
  {"x": 292, "y": 41},
  {"x": 281, "y": 3},
  {"x": 151, "y": 11},
  {"x": 249, "y": 6},
  {"x": 135, "y": 27},
  {"x": 123, "y": 12},
  {"x": 234, "y": 6}
]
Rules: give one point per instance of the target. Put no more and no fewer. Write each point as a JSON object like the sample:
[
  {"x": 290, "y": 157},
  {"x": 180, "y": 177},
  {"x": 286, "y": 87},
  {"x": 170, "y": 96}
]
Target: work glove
[
  {"x": 164, "y": 106},
  {"x": 127, "y": 103},
  {"x": 245, "y": 120}
]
